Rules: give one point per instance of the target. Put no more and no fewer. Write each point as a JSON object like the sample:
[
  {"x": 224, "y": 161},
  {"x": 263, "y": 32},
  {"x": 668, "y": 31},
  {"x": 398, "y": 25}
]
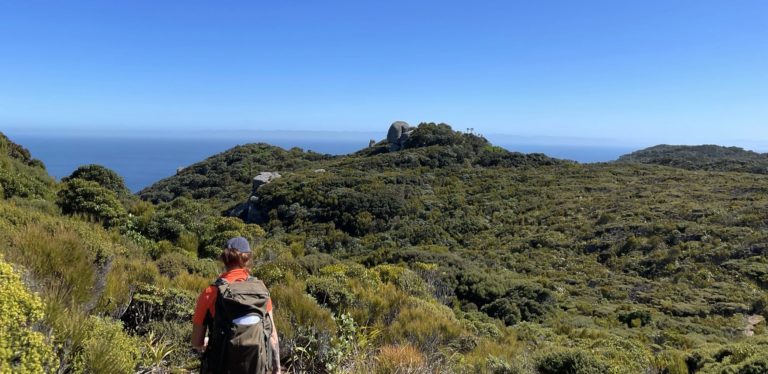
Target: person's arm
[
  {"x": 198, "y": 337},
  {"x": 202, "y": 314},
  {"x": 273, "y": 341}
]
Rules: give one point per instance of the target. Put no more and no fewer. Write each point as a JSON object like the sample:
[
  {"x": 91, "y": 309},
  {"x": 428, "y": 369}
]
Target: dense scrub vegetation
[
  {"x": 449, "y": 256},
  {"x": 702, "y": 157},
  {"x": 225, "y": 178}
]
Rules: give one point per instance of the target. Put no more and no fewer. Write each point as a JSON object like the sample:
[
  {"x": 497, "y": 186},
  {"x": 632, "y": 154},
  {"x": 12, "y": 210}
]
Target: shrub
[
  {"x": 60, "y": 260},
  {"x": 638, "y": 318},
  {"x": 571, "y": 362},
  {"x": 220, "y": 229},
  {"x": 393, "y": 359},
  {"x": 105, "y": 177},
  {"x": 151, "y": 304},
  {"x": 122, "y": 280},
  {"x": 20, "y": 174},
  {"x": 22, "y": 349},
  {"x": 305, "y": 328},
  {"x": 107, "y": 348},
  {"x": 79, "y": 196},
  {"x": 175, "y": 263},
  {"x": 504, "y": 309},
  {"x": 173, "y": 337},
  {"x": 425, "y": 326},
  {"x": 671, "y": 362},
  {"x": 522, "y": 302},
  {"x": 405, "y": 280},
  {"x": 757, "y": 365},
  {"x": 331, "y": 293}
]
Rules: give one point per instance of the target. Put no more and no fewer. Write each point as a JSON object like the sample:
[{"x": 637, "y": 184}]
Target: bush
[
  {"x": 504, "y": 309},
  {"x": 331, "y": 293},
  {"x": 105, "y": 177},
  {"x": 61, "y": 260},
  {"x": 175, "y": 263},
  {"x": 122, "y": 280},
  {"x": 22, "y": 349},
  {"x": 638, "y": 318},
  {"x": 425, "y": 326},
  {"x": 404, "y": 279},
  {"x": 107, "y": 348},
  {"x": 393, "y": 359},
  {"x": 571, "y": 362},
  {"x": 20, "y": 174},
  {"x": 79, "y": 196},
  {"x": 151, "y": 304},
  {"x": 305, "y": 328},
  {"x": 522, "y": 302}
]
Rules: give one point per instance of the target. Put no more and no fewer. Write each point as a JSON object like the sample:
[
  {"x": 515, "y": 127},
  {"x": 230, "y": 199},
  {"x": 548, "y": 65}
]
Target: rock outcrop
[
  {"x": 397, "y": 135},
  {"x": 249, "y": 211}
]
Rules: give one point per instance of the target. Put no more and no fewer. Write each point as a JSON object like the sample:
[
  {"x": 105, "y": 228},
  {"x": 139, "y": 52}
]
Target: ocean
[{"x": 143, "y": 161}]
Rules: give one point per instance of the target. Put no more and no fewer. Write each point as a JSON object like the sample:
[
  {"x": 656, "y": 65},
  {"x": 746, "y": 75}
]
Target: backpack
[{"x": 238, "y": 341}]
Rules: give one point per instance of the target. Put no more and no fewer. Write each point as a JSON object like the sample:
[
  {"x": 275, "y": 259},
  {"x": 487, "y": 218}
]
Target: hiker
[{"x": 236, "y": 311}]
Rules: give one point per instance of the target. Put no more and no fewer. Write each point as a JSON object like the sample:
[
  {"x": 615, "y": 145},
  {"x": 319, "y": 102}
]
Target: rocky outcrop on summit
[
  {"x": 398, "y": 134},
  {"x": 249, "y": 211}
]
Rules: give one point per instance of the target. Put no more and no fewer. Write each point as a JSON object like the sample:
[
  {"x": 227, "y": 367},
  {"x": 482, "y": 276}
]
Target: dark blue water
[
  {"x": 144, "y": 161},
  {"x": 580, "y": 153}
]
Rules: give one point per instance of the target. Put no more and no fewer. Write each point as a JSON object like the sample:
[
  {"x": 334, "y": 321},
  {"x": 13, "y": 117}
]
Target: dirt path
[{"x": 752, "y": 321}]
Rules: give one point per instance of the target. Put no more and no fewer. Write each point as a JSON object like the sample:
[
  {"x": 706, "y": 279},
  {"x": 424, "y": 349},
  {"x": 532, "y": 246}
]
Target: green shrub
[
  {"x": 125, "y": 275},
  {"x": 61, "y": 260},
  {"x": 331, "y": 293},
  {"x": 405, "y": 280},
  {"x": 105, "y": 177},
  {"x": 305, "y": 328},
  {"x": 22, "y": 348},
  {"x": 571, "y": 362},
  {"x": 638, "y": 318},
  {"x": 176, "y": 263},
  {"x": 425, "y": 325},
  {"x": 107, "y": 348},
  {"x": 152, "y": 304},
  {"x": 504, "y": 309},
  {"x": 522, "y": 302},
  {"x": 21, "y": 175},
  {"x": 671, "y": 362},
  {"x": 758, "y": 365},
  {"x": 79, "y": 196}
]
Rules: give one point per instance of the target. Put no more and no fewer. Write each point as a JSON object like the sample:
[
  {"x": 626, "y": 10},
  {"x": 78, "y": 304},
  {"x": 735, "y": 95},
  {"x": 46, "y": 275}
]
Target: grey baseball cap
[{"x": 240, "y": 243}]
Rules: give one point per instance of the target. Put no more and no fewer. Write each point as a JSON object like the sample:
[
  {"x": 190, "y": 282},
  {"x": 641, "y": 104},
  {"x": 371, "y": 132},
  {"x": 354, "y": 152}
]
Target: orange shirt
[{"x": 206, "y": 302}]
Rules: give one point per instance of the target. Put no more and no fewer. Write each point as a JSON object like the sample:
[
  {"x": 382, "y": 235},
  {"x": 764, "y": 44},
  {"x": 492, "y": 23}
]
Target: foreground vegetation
[{"x": 449, "y": 256}]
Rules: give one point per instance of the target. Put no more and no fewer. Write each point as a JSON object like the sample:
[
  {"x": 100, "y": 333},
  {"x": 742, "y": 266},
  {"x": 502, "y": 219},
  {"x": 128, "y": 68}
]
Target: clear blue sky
[{"x": 648, "y": 71}]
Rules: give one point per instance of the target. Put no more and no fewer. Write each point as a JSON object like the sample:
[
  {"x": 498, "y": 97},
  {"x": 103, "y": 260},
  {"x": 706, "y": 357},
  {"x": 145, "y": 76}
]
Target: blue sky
[{"x": 624, "y": 72}]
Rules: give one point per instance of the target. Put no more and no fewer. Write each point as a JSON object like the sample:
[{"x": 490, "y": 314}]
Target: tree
[
  {"x": 80, "y": 196},
  {"x": 105, "y": 177}
]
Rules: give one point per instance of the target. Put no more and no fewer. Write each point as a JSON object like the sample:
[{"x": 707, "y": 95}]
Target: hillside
[
  {"x": 449, "y": 255},
  {"x": 701, "y": 157},
  {"x": 20, "y": 174},
  {"x": 224, "y": 178}
]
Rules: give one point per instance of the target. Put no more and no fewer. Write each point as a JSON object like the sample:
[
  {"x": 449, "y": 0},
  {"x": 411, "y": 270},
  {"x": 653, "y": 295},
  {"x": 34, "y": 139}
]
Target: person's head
[{"x": 236, "y": 253}]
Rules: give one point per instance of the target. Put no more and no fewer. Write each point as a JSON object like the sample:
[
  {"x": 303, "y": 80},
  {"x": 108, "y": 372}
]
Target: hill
[
  {"x": 449, "y": 255},
  {"x": 225, "y": 178},
  {"x": 701, "y": 157},
  {"x": 20, "y": 174}
]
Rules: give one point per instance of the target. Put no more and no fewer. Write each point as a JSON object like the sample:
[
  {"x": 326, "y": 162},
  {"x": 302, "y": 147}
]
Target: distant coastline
[{"x": 144, "y": 161}]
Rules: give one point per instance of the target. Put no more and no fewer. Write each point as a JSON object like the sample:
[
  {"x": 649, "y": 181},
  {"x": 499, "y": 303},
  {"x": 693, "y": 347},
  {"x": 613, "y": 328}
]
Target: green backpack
[{"x": 238, "y": 341}]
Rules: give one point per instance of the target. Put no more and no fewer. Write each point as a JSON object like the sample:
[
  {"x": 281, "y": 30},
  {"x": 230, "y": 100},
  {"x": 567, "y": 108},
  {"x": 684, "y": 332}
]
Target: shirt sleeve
[{"x": 204, "y": 304}]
